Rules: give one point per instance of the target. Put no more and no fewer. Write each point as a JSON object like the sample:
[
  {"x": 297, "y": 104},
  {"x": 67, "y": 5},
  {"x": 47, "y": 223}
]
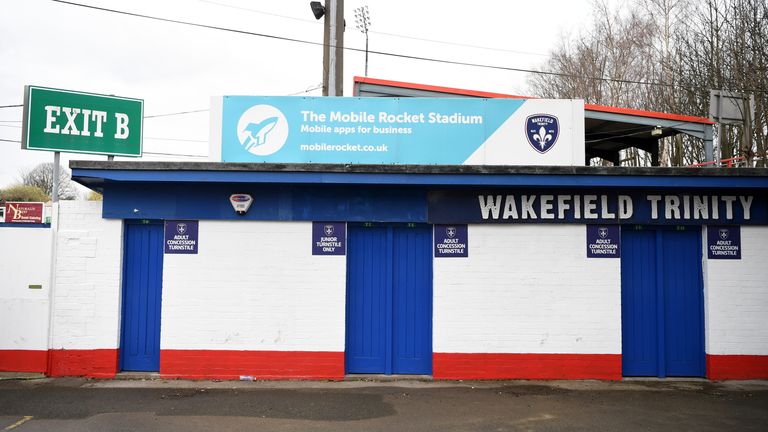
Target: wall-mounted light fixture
[{"x": 318, "y": 10}]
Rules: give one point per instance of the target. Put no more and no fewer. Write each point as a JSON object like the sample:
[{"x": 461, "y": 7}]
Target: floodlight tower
[{"x": 363, "y": 23}]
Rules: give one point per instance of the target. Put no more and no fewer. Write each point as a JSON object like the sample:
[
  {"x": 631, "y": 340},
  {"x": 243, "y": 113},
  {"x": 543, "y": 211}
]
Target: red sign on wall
[{"x": 24, "y": 212}]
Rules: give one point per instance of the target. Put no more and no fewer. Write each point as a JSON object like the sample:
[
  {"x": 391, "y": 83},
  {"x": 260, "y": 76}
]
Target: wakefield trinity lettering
[{"x": 652, "y": 208}]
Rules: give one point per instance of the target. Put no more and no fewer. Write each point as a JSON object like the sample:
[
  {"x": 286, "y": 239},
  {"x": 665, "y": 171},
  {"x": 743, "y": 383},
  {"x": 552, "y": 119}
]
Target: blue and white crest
[
  {"x": 724, "y": 233},
  {"x": 450, "y": 232},
  {"x": 542, "y": 131},
  {"x": 181, "y": 228},
  {"x": 328, "y": 229},
  {"x": 602, "y": 232}
]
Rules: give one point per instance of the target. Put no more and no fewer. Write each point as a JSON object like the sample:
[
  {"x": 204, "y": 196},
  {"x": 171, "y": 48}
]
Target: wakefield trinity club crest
[{"x": 542, "y": 131}]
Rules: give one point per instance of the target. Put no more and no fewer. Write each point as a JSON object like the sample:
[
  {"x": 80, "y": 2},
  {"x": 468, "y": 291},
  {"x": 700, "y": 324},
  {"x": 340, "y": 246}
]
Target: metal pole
[
  {"x": 366, "y": 52},
  {"x": 332, "y": 48},
  {"x": 708, "y": 145},
  {"x": 55, "y": 188},
  {"x": 720, "y": 136},
  {"x": 747, "y": 144}
]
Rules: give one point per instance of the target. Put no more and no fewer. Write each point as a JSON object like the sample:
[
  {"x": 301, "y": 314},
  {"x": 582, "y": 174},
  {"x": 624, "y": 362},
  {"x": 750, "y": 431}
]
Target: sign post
[{"x": 55, "y": 187}]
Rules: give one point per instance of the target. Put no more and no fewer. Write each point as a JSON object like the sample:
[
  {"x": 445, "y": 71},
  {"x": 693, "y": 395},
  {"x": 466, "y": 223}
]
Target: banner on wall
[
  {"x": 723, "y": 242},
  {"x": 603, "y": 241},
  {"x": 570, "y": 206},
  {"x": 440, "y": 131},
  {"x": 23, "y": 212},
  {"x": 451, "y": 241},
  {"x": 181, "y": 236},
  {"x": 329, "y": 238}
]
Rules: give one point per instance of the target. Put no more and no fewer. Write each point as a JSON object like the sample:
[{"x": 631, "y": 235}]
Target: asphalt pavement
[{"x": 71, "y": 404}]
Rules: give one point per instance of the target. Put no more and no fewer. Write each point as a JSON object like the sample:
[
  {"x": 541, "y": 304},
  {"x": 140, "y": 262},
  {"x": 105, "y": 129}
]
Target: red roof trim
[
  {"x": 589, "y": 107},
  {"x": 437, "y": 88}
]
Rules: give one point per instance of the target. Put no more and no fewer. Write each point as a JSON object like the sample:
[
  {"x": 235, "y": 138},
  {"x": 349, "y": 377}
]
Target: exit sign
[{"x": 78, "y": 122}]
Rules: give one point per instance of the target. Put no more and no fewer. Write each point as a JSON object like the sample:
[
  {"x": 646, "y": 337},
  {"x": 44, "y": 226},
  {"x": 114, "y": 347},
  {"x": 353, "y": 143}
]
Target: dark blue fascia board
[{"x": 95, "y": 178}]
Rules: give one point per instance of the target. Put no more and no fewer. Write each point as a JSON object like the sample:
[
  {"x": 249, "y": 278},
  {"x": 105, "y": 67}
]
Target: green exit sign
[{"x": 77, "y": 122}]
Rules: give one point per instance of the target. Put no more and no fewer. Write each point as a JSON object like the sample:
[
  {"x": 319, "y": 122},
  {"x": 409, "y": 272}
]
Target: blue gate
[
  {"x": 662, "y": 303},
  {"x": 142, "y": 289},
  {"x": 389, "y": 299}
]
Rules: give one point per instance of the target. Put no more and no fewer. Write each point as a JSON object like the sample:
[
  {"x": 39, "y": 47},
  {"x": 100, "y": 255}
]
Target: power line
[
  {"x": 382, "y": 53},
  {"x": 176, "y": 139},
  {"x": 176, "y": 113},
  {"x": 307, "y": 90},
  {"x": 396, "y": 35},
  {"x": 12, "y": 106},
  {"x": 460, "y": 44},
  {"x": 259, "y": 11},
  {"x": 146, "y": 152},
  {"x": 175, "y": 154}
]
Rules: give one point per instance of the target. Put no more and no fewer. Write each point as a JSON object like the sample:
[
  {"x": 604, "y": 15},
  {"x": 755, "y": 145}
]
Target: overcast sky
[{"x": 176, "y": 67}]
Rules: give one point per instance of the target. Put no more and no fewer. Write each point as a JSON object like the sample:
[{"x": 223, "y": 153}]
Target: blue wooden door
[
  {"x": 142, "y": 292},
  {"x": 389, "y": 299},
  {"x": 684, "y": 303},
  {"x": 412, "y": 300},
  {"x": 662, "y": 302},
  {"x": 368, "y": 297}
]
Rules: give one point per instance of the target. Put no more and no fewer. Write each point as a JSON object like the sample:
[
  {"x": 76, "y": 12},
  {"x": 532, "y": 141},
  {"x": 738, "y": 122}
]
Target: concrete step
[
  {"x": 387, "y": 378},
  {"x": 137, "y": 376}
]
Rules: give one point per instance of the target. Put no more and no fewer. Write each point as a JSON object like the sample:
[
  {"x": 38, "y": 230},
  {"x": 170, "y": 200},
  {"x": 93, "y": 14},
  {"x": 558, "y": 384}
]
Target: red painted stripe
[
  {"x": 483, "y": 366},
  {"x": 95, "y": 363},
  {"x": 475, "y": 93},
  {"x": 228, "y": 364},
  {"x": 737, "y": 367},
  {"x": 23, "y": 360}
]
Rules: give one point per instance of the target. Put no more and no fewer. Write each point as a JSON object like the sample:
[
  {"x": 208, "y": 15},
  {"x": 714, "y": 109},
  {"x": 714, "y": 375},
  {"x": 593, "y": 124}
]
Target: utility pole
[{"x": 333, "y": 45}]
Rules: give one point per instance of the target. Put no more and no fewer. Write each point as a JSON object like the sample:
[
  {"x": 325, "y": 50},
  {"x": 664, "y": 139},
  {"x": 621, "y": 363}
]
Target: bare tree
[
  {"x": 41, "y": 176},
  {"x": 687, "y": 48}
]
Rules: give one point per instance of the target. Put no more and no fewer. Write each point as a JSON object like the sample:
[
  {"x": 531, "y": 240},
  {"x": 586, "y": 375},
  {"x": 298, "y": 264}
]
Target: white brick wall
[
  {"x": 88, "y": 271},
  {"x": 527, "y": 289},
  {"x": 736, "y": 297},
  {"x": 254, "y": 286},
  {"x": 25, "y": 259}
]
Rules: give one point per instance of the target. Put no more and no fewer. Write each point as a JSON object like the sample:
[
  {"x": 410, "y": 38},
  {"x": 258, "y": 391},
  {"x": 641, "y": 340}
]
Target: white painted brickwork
[
  {"x": 88, "y": 269},
  {"x": 25, "y": 259},
  {"x": 254, "y": 286},
  {"x": 736, "y": 297},
  {"x": 527, "y": 289}
]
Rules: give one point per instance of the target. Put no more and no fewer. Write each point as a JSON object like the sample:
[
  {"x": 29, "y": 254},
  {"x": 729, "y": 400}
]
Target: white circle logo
[{"x": 262, "y": 130}]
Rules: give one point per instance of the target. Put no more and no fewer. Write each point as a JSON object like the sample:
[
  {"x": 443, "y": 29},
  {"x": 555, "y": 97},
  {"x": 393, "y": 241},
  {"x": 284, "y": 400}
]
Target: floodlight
[{"x": 317, "y": 9}]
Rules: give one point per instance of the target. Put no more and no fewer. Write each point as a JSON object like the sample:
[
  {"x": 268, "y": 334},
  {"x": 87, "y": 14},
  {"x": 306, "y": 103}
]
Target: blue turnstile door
[
  {"x": 142, "y": 291},
  {"x": 389, "y": 299},
  {"x": 662, "y": 302}
]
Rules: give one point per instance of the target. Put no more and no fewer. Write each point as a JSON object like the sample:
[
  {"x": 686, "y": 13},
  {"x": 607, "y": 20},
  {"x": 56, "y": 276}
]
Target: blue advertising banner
[
  {"x": 451, "y": 241},
  {"x": 399, "y": 131},
  {"x": 181, "y": 236},
  {"x": 329, "y": 238},
  {"x": 603, "y": 241},
  {"x": 723, "y": 242},
  {"x": 563, "y": 206}
]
